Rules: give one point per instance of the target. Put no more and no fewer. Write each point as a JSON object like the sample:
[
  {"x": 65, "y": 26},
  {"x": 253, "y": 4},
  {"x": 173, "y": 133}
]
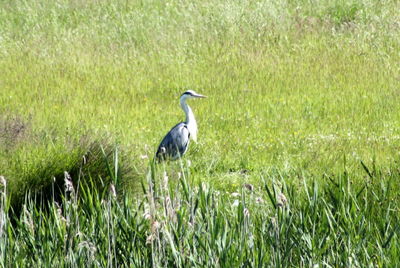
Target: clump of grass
[
  {"x": 275, "y": 223},
  {"x": 86, "y": 158},
  {"x": 12, "y": 130},
  {"x": 344, "y": 12}
]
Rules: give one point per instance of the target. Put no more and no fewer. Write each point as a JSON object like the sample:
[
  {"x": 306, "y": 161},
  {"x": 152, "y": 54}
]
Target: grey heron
[{"x": 176, "y": 142}]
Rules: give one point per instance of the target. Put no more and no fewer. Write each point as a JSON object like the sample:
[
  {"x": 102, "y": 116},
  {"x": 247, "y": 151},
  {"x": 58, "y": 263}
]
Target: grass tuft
[{"x": 184, "y": 224}]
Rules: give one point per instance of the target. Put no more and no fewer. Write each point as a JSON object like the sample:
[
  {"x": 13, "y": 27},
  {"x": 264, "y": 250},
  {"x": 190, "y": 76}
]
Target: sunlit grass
[{"x": 299, "y": 90}]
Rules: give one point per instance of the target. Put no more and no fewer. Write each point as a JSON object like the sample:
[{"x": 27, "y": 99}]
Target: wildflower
[{"x": 235, "y": 203}]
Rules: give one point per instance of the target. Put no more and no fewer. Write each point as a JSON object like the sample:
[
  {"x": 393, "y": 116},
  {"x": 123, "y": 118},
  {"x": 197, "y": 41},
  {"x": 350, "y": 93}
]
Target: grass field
[{"x": 302, "y": 95}]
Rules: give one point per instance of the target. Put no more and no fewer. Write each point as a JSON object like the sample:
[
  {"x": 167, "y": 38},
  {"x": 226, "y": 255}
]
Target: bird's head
[{"x": 190, "y": 94}]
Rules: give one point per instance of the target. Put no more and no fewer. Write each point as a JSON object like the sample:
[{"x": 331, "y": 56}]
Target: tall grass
[
  {"x": 300, "y": 93},
  {"x": 279, "y": 224}
]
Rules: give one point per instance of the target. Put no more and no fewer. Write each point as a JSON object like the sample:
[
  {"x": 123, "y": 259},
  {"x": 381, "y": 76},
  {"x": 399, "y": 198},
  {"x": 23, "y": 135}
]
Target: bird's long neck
[{"x": 190, "y": 120}]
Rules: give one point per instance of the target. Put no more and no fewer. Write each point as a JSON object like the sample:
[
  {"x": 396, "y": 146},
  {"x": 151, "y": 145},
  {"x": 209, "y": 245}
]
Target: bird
[{"x": 175, "y": 144}]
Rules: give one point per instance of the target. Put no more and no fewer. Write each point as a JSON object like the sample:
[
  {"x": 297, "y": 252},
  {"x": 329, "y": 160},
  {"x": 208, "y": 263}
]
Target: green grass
[
  {"x": 302, "y": 91},
  {"x": 184, "y": 224}
]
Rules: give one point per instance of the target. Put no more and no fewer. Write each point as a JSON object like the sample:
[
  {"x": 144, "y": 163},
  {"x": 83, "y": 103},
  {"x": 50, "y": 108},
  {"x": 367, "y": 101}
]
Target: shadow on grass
[{"x": 34, "y": 163}]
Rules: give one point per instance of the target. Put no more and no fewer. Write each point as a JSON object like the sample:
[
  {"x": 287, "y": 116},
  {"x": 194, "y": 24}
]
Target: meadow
[{"x": 298, "y": 152}]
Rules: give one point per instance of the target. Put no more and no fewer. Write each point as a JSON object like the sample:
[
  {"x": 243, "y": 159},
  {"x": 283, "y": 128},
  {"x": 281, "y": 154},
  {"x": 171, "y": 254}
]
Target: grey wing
[{"x": 175, "y": 143}]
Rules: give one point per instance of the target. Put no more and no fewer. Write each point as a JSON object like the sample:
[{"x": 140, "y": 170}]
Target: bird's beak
[{"x": 200, "y": 96}]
